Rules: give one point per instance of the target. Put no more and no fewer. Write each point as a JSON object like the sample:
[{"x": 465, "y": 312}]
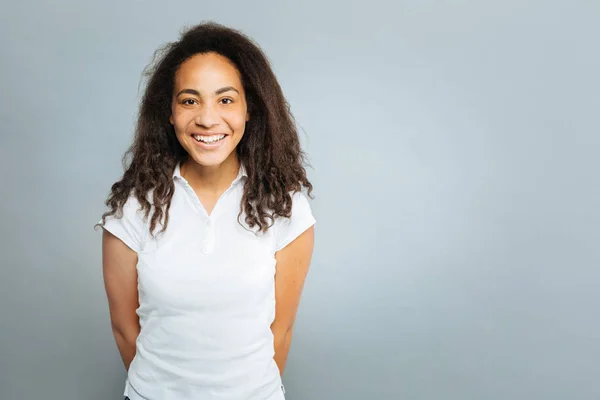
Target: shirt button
[{"x": 208, "y": 246}]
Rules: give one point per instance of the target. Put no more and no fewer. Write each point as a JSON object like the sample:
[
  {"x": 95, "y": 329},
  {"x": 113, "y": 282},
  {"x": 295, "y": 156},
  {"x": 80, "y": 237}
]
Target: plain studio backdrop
[{"x": 455, "y": 157}]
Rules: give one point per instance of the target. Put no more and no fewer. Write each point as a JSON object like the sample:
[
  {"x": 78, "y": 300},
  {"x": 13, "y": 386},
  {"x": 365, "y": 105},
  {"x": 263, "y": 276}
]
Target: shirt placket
[{"x": 208, "y": 244}]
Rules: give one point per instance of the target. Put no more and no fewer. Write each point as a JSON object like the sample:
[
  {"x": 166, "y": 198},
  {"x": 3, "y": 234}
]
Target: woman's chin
[{"x": 208, "y": 160}]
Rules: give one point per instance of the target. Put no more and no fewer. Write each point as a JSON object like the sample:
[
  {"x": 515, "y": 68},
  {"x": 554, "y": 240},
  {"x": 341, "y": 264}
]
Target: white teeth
[{"x": 208, "y": 139}]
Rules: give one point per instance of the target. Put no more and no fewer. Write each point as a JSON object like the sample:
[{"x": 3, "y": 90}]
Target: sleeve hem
[
  {"x": 122, "y": 236},
  {"x": 297, "y": 232}
]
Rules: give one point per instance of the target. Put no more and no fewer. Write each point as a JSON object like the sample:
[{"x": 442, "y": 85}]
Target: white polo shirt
[{"x": 207, "y": 298}]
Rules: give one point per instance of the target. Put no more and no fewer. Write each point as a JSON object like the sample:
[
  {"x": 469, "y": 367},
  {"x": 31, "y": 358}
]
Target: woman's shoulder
[
  {"x": 301, "y": 218},
  {"x": 130, "y": 223}
]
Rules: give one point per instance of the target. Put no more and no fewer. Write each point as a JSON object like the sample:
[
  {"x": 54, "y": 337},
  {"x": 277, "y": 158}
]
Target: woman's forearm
[
  {"x": 126, "y": 346},
  {"x": 282, "y": 344}
]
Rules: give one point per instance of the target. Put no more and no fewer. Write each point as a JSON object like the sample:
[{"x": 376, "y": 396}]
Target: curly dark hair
[{"x": 269, "y": 150}]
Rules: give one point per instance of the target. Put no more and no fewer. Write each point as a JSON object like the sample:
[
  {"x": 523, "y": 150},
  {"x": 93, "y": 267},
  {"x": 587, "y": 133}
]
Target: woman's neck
[{"x": 210, "y": 179}]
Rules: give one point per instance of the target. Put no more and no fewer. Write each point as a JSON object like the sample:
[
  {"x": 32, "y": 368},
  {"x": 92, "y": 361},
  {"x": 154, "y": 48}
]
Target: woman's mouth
[
  {"x": 209, "y": 139},
  {"x": 209, "y": 142}
]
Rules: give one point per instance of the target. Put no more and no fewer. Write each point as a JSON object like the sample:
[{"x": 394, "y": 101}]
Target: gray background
[{"x": 454, "y": 147}]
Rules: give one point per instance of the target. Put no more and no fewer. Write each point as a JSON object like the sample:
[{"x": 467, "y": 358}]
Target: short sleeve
[
  {"x": 288, "y": 229},
  {"x": 130, "y": 228}
]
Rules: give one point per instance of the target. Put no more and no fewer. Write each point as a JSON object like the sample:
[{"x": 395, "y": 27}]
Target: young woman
[{"x": 209, "y": 236}]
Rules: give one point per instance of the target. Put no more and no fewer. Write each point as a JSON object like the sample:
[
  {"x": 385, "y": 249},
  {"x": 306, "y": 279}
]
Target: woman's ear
[{"x": 171, "y": 119}]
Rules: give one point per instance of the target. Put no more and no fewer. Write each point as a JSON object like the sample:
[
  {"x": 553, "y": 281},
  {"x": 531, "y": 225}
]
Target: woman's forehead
[{"x": 208, "y": 71}]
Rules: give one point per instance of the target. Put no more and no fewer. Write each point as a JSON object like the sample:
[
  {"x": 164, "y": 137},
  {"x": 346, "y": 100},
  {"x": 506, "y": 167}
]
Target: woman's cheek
[{"x": 239, "y": 117}]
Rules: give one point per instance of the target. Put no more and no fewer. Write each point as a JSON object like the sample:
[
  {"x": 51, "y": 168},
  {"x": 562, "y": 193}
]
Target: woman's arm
[
  {"x": 120, "y": 281},
  {"x": 292, "y": 267}
]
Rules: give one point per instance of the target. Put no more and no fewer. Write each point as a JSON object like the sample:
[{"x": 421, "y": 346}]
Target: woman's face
[{"x": 208, "y": 109}]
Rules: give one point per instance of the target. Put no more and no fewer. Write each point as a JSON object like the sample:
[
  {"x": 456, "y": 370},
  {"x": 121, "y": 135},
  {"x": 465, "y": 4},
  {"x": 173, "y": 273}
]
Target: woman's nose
[{"x": 206, "y": 117}]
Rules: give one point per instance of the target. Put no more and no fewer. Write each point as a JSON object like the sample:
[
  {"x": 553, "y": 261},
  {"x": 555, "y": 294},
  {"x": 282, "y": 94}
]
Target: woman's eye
[
  {"x": 188, "y": 102},
  {"x": 226, "y": 101}
]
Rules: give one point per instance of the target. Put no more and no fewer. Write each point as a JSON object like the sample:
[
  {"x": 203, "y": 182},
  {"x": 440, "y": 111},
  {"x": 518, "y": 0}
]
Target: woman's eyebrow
[
  {"x": 189, "y": 91},
  {"x": 226, "y": 89},
  {"x": 217, "y": 92}
]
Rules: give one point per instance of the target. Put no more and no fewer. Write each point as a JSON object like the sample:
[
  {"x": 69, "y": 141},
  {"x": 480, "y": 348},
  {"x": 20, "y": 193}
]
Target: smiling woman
[
  {"x": 209, "y": 110},
  {"x": 209, "y": 236}
]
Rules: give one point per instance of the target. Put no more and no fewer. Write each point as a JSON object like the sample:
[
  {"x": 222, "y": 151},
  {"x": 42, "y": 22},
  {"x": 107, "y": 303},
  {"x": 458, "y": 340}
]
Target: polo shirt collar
[{"x": 241, "y": 173}]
